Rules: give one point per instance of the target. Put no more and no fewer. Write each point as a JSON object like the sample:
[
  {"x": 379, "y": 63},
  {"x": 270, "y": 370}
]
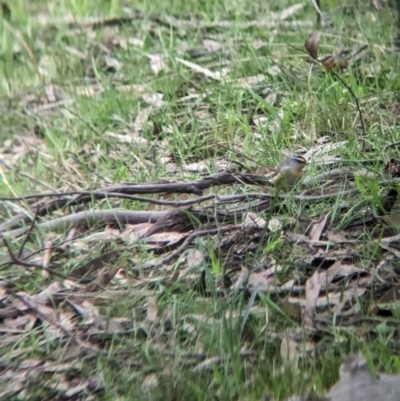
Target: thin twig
[
  {"x": 44, "y": 249},
  {"x": 39, "y": 314},
  {"x": 320, "y": 14},
  {"x": 317, "y": 8},
  {"x": 28, "y": 265},
  {"x": 104, "y": 195},
  {"x": 28, "y": 234}
]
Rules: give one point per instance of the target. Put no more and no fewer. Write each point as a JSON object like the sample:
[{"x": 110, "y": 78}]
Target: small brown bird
[{"x": 289, "y": 171}]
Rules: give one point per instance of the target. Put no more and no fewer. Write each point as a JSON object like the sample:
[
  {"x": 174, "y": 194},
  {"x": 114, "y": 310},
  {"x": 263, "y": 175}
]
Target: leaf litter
[{"x": 333, "y": 283}]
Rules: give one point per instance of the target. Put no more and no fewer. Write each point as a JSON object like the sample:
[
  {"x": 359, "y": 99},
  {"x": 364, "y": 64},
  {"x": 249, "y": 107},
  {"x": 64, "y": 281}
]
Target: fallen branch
[
  {"x": 117, "y": 217},
  {"x": 121, "y": 217},
  {"x": 123, "y": 190},
  {"x": 165, "y": 220}
]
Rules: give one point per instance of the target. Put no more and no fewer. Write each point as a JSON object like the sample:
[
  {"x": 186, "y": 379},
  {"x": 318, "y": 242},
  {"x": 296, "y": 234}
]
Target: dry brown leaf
[
  {"x": 260, "y": 280},
  {"x": 330, "y": 62},
  {"x": 68, "y": 388},
  {"x": 289, "y": 352},
  {"x": 312, "y": 44},
  {"x": 327, "y": 277},
  {"x": 288, "y": 12},
  {"x": 157, "y": 63},
  {"x": 21, "y": 146},
  {"x": 138, "y": 227},
  {"x": 75, "y": 52},
  {"x": 343, "y": 270},
  {"x": 348, "y": 270},
  {"x": 218, "y": 75},
  {"x": 347, "y": 296},
  {"x": 18, "y": 303},
  {"x": 136, "y": 42},
  {"x": 74, "y": 352},
  {"x": 93, "y": 90},
  {"x": 67, "y": 320},
  {"x": 317, "y": 228},
  {"x": 333, "y": 298},
  {"x": 377, "y": 5},
  {"x": 141, "y": 118},
  {"x": 336, "y": 236},
  {"x": 3, "y": 293},
  {"x": 164, "y": 239},
  {"x": 242, "y": 279},
  {"x": 95, "y": 264},
  {"x": 21, "y": 323},
  {"x": 207, "y": 364},
  {"x": 31, "y": 363},
  {"x": 52, "y": 327},
  {"x": 110, "y": 326},
  {"x": 150, "y": 383},
  {"x": 388, "y": 301},
  {"x": 253, "y": 220},
  {"x": 211, "y": 45},
  {"x": 47, "y": 257},
  {"x": 9, "y": 311},
  {"x": 86, "y": 309},
  {"x": 154, "y": 99},
  {"x": 48, "y": 293},
  {"x": 103, "y": 278},
  {"x": 50, "y": 93},
  {"x": 137, "y": 89},
  {"x": 61, "y": 367},
  {"x": 250, "y": 82},
  {"x": 318, "y": 153},
  {"x": 313, "y": 287},
  {"x": 204, "y": 166},
  {"x": 288, "y": 285},
  {"x": 151, "y": 309},
  {"x": 130, "y": 137},
  {"x": 10, "y": 388},
  {"x": 200, "y": 166}
]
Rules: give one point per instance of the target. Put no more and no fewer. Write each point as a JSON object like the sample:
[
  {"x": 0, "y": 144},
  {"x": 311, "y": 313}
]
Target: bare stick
[
  {"x": 120, "y": 217},
  {"x": 194, "y": 187},
  {"x": 28, "y": 234},
  {"x": 104, "y": 195},
  {"x": 28, "y": 265}
]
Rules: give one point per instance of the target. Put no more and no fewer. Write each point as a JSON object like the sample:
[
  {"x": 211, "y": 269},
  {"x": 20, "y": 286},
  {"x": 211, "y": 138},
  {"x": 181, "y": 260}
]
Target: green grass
[{"x": 71, "y": 148}]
